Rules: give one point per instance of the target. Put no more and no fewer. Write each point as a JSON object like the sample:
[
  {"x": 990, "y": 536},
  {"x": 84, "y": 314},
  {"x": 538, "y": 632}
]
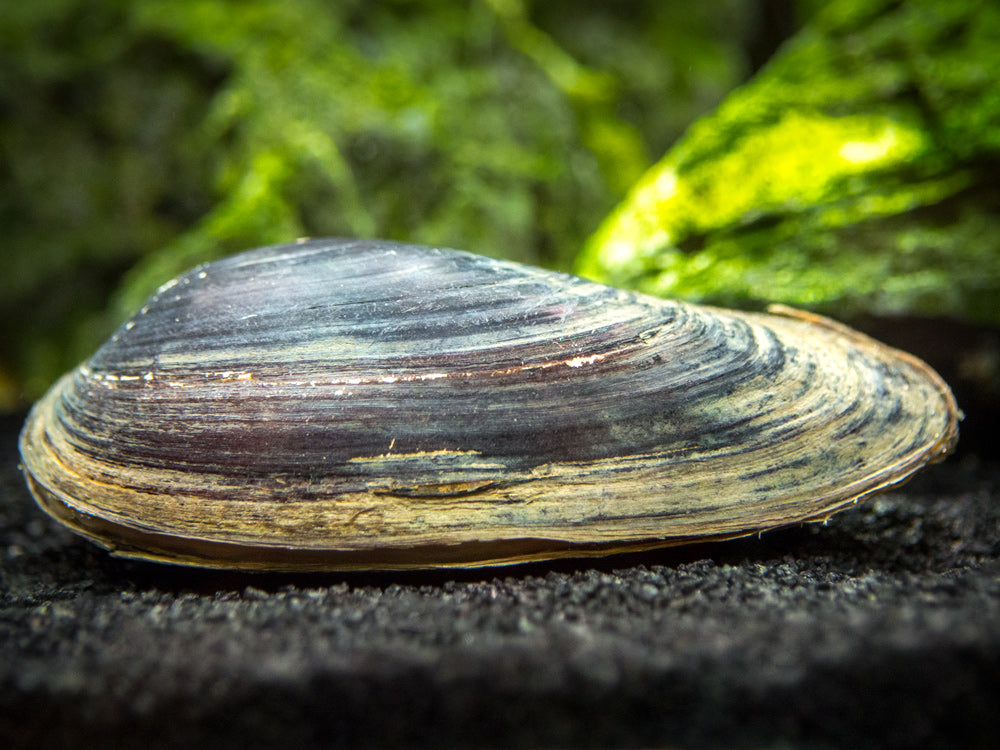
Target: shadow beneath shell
[{"x": 771, "y": 547}]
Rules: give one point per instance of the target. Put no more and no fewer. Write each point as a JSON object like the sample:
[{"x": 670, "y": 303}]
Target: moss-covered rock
[{"x": 856, "y": 174}]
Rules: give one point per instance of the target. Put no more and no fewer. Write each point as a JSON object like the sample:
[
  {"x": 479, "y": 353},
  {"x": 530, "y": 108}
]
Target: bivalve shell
[{"x": 336, "y": 404}]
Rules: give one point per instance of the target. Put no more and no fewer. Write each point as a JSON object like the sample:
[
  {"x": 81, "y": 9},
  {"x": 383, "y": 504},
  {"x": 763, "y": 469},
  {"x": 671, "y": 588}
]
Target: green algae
[{"x": 857, "y": 173}]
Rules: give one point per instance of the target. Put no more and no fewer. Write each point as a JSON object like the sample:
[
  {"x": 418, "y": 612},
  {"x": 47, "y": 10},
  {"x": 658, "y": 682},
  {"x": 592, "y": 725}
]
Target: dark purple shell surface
[{"x": 339, "y": 404}]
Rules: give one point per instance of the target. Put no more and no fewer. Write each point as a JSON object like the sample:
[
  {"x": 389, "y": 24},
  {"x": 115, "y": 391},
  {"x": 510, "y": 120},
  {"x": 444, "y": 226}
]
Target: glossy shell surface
[{"x": 359, "y": 404}]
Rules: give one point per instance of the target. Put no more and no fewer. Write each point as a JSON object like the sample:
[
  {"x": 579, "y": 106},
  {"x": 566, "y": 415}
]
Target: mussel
[{"x": 339, "y": 404}]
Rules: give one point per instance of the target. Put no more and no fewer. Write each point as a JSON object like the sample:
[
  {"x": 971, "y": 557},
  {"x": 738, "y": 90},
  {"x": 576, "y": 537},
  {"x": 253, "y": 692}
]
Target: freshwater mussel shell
[{"x": 337, "y": 404}]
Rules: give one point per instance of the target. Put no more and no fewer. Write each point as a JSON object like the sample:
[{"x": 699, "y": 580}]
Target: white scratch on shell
[{"x": 581, "y": 361}]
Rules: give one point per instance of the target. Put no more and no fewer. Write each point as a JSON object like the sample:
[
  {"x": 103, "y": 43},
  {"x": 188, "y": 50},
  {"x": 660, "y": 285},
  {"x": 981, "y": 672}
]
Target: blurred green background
[{"x": 838, "y": 156}]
